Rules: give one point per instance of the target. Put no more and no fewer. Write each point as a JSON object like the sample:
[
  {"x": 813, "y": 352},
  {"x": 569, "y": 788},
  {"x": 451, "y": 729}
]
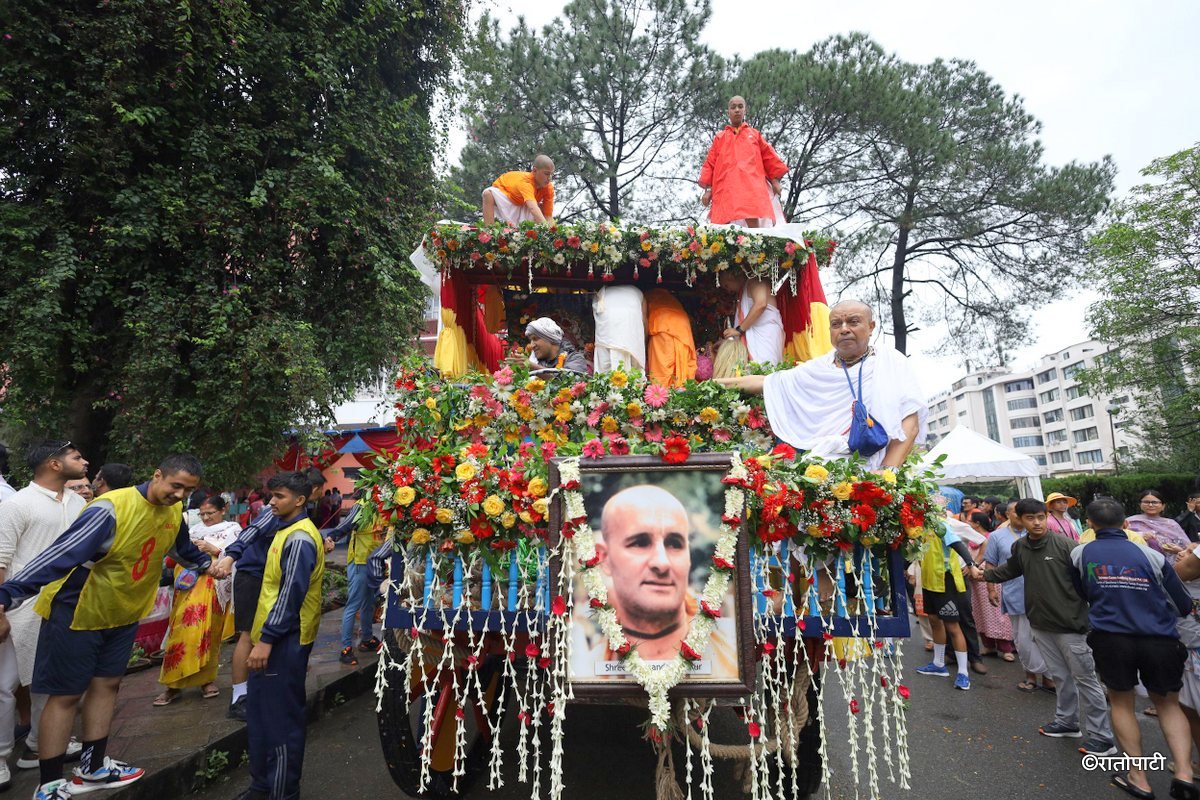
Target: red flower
[
  {"x": 404, "y": 476},
  {"x": 530, "y": 234},
  {"x": 755, "y": 730},
  {"x": 618, "y": 446},
  {"x": 624, "y": 649},
  {"x": 591, "y": 562},
  {"x": 853, "y": 706},
  {"x": 721, "y": 563},
  {"x": 558, "y": 243},
  {"x": 558, "y": 606},
  {"x": 686, "y": 650},
  {"x": 902, "y": 690},
  {"x": 863, "y": 516},
  {"x": 676, "y": 450},
  {"x": 424, "y": 511},
  {"x": 709, "y": 610},
  {"x": 883, "y": 681},
  {"x": 481, "y": 528},
  {"x": 572, "y": 241},
  {"x": 532, "y": 650},
  {"x": 785, "y": 451},
  {"x": 596, "y": 602}
]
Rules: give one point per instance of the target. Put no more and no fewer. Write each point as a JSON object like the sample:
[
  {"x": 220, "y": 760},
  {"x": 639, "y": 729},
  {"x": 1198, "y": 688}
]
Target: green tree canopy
[
  {"x": 610, "y": 90},
  {"x": 205, "y": 216},
  {"x": 1146, "y": 264}
]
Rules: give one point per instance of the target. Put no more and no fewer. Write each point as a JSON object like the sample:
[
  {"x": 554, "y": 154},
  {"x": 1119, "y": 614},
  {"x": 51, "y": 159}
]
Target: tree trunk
[
  {"x": 614, "y": 204},
  {"x": 899, "y": 324}
]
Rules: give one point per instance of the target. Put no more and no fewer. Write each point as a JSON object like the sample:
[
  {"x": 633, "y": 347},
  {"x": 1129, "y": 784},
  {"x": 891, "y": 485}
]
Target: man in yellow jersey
[
  {"x": 97, "y": 580},
  {"x": 285, "y": 626},
  {"x": 360, "y": 601},
  {"x": 943, "y": 564}
]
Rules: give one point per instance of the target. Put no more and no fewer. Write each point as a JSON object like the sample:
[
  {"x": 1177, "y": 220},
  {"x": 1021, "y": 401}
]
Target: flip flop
[
  {"x": 1150, "y": 711},
  {"x": 1027, "y": 686},
  {"x": 209, "y": 694},
  {"x": 1122, "y": 783},
  {"x": 1050, "y": 689},
  {"x": 167, "y": 697},
  {"x": 1009, "y": 657}
]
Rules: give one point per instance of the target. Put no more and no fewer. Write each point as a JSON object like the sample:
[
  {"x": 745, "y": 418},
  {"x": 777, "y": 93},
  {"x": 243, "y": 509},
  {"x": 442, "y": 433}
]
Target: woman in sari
[
  {"x": 192, "y": 649},
  {"x": 1161, "y": 533},
  {"x": 994, "y": 626}
]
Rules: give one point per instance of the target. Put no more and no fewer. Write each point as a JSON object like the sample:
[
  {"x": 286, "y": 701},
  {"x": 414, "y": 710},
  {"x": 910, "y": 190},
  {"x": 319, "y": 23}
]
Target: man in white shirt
[{"x": 29, "y": 521}]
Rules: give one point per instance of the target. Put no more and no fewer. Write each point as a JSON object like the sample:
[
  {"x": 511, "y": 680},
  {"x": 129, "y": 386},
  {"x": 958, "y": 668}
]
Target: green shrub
[{"x": 1126, "y": 487}]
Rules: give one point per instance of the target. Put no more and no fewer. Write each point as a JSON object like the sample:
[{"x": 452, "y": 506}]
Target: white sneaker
[
  {"x": 55, "y": 790},
  {"x": 5, "y": 775},
  {"x": 29, "y": 756},
  {"x": 111, "y": 774}
]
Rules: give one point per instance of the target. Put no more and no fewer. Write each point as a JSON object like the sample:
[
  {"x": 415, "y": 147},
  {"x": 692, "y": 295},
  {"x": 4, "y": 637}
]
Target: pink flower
[
  {"x": 721, "y": 435},
  {"x": 504, "y": 375},
  {"x": 645, "y": 262},
  {"x": 593, "y": 419},
  {"x": 618, "y": 446},
  {"x": 789, "y": 248},
  {"x": 484, "y": 237},
  {"x": 548, "y": 449},
  {"x": 653, "y": 434},
  {"x": 656, "y": 396},
  {"x": 578, "y": 389},
  {"x": 593, "y": 449}
]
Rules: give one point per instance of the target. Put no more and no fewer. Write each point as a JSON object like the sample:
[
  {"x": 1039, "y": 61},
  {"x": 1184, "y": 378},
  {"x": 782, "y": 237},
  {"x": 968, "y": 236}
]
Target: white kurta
[
  {"x": 620, "y": 328},
  {"x": 809, "y": 405},
  {"x": 220, "y": 535},
  {"x": 30, "y": 521},
  {"x": 764, "y": 339}
]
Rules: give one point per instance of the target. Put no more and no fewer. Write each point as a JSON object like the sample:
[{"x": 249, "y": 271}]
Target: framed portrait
[{"x": 656, "y": 528}]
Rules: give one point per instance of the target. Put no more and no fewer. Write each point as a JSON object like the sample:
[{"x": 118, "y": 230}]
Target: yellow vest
[
  {"x": 366, "y": 536},
  {"x": 121, "y": 586},
  {"x": 310, "y": 609},
  {"x": 934, "y": 566}
]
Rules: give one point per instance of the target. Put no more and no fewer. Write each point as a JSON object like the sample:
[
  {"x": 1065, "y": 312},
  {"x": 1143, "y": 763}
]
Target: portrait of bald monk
[
  {"x": 645, "y": 553},
  {"x": 522, "y": 196}
]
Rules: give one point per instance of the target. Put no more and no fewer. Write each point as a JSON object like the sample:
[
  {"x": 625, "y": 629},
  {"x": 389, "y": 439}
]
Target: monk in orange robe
[
  {"x": 671, "y": 351},
  {"x": 736, "y": 172},
  {"x": 522, "y": 196}
]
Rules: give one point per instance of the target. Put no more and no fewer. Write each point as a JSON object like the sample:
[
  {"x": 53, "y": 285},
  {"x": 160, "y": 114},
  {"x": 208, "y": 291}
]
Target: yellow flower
[
  {"x": 816, "y": 472},
  {"x": 609, "y": 424},
  {"x": 420, "y": 536},
  {"x": 842, "y": 491},
  {"x": 436, "y": 416},
  {"x": 787, "y": 264},
  {"x": 538, "y": 487},
  {"x": 541, "y": 506},
  {"x": 714, "y": 248},
  {"x": 563, "y": 396},
  {"x": 914, "y": 532},
  {"x": 814, "y": 530},
  {"x": 464, "y": 537},
  {"x": 595, "y": 248},
  {"x": 512, "y": 435},
  {"x": 563, "y": 413},
  {"x": 764, "y": 461},
  {"x": 508, "y": 519},
  {"x": 462, "y": 424},
  {"x": 526, "y": 517},
  {"x": 633, "y": 410},
  {"x": 430, "y": 403},
  {"x": 546, "y": 433},
  {"x": 405, "y": 495},
  {"x": 888, "y": 476},
  {"x": 493, "y": 506},
  {"x": 481, "y": 420},
  {"x": 445, "y": 516},
  {"x": 535, "y": 385},
  {"x": 464, "y": 471},
  {"x": 646, "y": 246},
  {"x": 709, "y": 415},
  {"x": 679, "y": 418},
  {"x": 619, "y": 379},
  {"x": 525, "y": 412}
]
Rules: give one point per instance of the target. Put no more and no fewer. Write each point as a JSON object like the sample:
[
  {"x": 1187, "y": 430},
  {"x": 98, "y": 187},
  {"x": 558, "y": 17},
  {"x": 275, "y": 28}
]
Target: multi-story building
[{"x": 1042, "y": 412}]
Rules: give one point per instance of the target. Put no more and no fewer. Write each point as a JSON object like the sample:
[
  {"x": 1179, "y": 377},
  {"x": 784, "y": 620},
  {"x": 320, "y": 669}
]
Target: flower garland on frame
[{"x": 581, "y": 549}]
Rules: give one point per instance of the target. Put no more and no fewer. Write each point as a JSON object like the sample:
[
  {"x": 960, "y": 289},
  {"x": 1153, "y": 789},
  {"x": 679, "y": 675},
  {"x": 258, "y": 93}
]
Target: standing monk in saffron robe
[
  {"x": 522, "y": 196},
  {"x": 735, "y": 174},
  {"x": 671, "y": 353}
]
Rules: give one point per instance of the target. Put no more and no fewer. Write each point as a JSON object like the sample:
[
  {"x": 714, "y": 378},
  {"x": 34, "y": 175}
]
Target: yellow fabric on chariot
[
  {"x": 815, "y": 341},
  {"x": 453, "y": 356}
]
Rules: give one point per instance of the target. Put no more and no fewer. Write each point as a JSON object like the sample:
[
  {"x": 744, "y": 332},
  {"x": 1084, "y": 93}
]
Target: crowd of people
[
  {"x": 81, "y": 564},
  {"x": 1095, "y": 608}
]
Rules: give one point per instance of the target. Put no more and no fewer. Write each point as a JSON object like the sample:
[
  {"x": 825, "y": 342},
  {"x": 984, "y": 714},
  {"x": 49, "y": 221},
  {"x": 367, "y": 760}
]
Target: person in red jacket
[{"x": 737, "y": 171}]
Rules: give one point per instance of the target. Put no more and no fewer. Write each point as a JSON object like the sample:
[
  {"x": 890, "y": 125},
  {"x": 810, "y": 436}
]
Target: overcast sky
[{"x": 1104, "y": 77}]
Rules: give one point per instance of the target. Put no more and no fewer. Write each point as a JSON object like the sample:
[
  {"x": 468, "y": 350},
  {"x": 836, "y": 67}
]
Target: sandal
[
  {"x": 167, "y": 697},
  {"x": 1027, "y": 686},
  {"x": 211, "y": 690},
  {"x": 1052, "y": 689},
  {"x": 1150, "y": 711},
  {"x": 1009, "y": 657},
  {"x": 1122, "y": 783}
]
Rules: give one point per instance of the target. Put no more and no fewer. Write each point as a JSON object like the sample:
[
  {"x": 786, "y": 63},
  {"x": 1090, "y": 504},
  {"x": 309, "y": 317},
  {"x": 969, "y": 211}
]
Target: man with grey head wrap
[{"x": 548, "y": 347}]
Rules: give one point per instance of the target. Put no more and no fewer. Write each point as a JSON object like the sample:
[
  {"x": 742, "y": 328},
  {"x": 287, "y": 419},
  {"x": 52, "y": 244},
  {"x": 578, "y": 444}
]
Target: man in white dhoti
[
  {"x": 758, "y": 321},
  {"x": 810, "y": 405},
  {"x": 522, "y": 196},
  {"x": 620, "y": 328}
]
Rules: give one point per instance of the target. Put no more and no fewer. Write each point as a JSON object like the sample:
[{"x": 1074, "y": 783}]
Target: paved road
[{"x": 981, "y": 743}]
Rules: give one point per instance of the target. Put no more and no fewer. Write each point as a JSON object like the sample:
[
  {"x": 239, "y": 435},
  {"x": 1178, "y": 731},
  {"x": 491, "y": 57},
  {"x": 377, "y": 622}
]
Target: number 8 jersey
[{"x": 121, "y": 586}]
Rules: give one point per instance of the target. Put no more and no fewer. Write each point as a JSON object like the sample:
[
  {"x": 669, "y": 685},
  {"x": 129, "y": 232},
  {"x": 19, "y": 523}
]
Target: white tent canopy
[{"x": 972, "y": 457}]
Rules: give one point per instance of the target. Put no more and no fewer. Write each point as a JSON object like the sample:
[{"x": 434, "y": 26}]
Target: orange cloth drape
[
  {"x": 671, "y": 351},
  {"x": 805, "y": 316}
]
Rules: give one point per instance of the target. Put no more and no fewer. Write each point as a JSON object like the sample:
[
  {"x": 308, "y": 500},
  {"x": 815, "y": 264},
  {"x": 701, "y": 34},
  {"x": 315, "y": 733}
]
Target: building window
[
  {"x": 989, "y": 412},
  {"x": 1047, "y": 376},
  {"x": 1049, "y": 396},
  {"x": 1053, "y": 416},
  {"x": 1027, "y": 441},
  {"x": 1069, "y": 371},
  {"x": 1061, "y": 457},
  {"x": 1041, "y": 460},
  {"x": 1025, "y": 422},
  {"x": 1074, "y": 392},
  {"x": 1056, "y": 437},
  {"x": 1083, "y": 412},
  {"x": 1090, "y": 457},
  {"x": 1085, "y": 435},
  {"x": 1024, "y": 402},
  {"x": 1019, "y": 386}
]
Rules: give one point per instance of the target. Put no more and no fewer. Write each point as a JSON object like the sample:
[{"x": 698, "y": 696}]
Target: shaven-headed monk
[
  {"x": 736, "y": 172},
  {"x": 522, "y": 196},
  {"x": 671, "y": 350}
]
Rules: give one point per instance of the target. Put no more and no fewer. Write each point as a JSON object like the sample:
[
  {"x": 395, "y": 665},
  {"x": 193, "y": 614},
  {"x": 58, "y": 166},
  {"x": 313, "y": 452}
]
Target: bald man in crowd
[
  {"x": 522, "y": 196},
  {"x": 809, "y": 406},
  {"x": 741, "y": 174}
]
